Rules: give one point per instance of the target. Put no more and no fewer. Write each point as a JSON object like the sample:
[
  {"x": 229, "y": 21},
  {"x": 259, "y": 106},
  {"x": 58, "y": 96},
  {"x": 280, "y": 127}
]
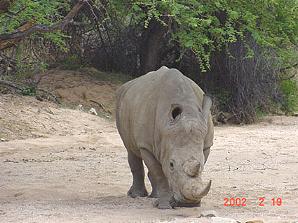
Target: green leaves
[
  {"x": 45, "y": 12},
  {"x": 202, "y": 26},
  {"x": 289, "y": 89},
  {"x": 206, "y": 26}
]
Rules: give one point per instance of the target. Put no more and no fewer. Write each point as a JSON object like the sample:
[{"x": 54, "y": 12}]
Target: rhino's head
[{"x": 183, "y": 143}]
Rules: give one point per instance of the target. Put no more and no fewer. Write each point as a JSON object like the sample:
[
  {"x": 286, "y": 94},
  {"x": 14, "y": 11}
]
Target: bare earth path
[{"x": 63, "y": 165}]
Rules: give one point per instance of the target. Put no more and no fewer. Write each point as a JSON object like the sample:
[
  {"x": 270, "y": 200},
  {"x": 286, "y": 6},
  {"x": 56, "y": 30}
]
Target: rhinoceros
[{"x": 164, "y": 118}]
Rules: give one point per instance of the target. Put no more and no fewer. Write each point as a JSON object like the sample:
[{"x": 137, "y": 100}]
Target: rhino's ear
[{"x": 206, "y": 106}]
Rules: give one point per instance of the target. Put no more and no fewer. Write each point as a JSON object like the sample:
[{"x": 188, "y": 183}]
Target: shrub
[{"x": 289, "y": 90}]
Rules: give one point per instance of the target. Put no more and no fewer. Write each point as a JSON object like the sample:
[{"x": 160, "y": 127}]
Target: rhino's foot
[
  {"x": 137, "y": 192},
  {"x": 154, "y": 194},
  {"x": 165, "y": 203}
]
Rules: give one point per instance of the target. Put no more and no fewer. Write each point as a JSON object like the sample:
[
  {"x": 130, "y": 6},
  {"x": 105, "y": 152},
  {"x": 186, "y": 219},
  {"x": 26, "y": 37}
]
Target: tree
[
  {"x": 235, "y": 46},
  {"x": 209, "y": 26},
  {"x": 23, "y": 18}
]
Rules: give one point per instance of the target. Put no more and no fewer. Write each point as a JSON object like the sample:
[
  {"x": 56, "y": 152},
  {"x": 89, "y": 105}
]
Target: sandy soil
[
  {"x": 63, "y": 165},
  {"x": 88, "y": 87}
]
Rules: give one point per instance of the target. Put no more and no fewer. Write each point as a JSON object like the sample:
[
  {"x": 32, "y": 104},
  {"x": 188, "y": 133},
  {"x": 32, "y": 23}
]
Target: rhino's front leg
[
  {"x": 166, "y": 199},
  {"x": 137, "y": 169},
  {"x": 154, "y": 193}
]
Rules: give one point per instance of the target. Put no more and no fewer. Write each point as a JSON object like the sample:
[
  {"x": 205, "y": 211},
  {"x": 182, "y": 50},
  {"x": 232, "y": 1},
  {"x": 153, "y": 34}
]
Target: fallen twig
[
  {"x": 21, "y": 89},
  {"x": 101, "y": 106},
  {"x": 12, "y": 85}
]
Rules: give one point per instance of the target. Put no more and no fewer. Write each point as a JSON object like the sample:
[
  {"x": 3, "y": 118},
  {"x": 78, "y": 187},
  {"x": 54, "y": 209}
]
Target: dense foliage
[
  {"x": 234, "y": 49},
  {"x": 23, "y": 14},
  {"x": 208, "y": 26},
  {"x": 290, "y": 92}
]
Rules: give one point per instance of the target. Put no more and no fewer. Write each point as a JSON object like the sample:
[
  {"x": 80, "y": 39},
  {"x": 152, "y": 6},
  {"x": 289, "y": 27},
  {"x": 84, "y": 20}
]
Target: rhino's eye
[{"x": 176, "y": 112}]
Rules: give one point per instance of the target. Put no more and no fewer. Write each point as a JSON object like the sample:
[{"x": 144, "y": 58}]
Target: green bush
[
  {"x": 289, "y": 90},
  {"x": 42, "y": 12}
]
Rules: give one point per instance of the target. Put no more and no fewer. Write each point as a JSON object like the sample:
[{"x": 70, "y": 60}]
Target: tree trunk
[
  {"x": 151, "y": 46},
  {"x": 4, "y": 5}
]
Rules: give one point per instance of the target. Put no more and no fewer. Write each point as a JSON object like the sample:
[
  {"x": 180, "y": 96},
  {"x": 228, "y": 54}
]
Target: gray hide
[{"x": 164, "y": 119}]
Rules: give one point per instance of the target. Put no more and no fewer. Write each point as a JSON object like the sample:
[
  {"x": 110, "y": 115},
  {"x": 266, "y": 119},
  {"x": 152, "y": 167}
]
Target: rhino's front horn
[
  {"x": 204, "y": 192},
  {"x": 196, "y": 192}
]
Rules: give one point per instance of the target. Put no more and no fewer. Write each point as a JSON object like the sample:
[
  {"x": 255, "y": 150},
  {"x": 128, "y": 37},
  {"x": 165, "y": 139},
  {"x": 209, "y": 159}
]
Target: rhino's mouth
[
  {"x": 182, "y": 201},
  {"x": 183, "y": 204}
]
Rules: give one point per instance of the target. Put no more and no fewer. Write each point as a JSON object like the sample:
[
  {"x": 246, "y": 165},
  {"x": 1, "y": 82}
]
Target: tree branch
[
  {"x": 43, "y": 28},
  {"x": 40, "y": 93},
  {"x": 289, "y": 67}
]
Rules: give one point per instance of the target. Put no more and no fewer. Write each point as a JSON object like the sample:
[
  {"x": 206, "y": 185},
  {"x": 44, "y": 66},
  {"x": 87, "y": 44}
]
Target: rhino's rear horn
[{"x": 192, "y": 167}]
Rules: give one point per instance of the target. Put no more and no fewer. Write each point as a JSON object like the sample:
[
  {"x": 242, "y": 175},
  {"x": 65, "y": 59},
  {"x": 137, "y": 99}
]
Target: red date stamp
[
  {"x": 235, "y": 201},
  {"x": 242, "y": 201}
]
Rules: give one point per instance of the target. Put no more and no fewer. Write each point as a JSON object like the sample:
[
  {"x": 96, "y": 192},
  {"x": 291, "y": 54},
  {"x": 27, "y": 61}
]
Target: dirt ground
[
  {"x": 88, "y": 87},
  {"x": 64, "y": 165}
]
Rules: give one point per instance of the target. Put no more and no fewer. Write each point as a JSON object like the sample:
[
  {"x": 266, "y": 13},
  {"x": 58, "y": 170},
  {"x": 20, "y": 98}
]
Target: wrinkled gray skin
[{"x": 164, "y": 119}]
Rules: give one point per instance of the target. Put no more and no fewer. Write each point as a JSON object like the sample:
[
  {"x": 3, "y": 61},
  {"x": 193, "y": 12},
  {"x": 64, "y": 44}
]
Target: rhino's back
[{"x": 135, "y": 110}]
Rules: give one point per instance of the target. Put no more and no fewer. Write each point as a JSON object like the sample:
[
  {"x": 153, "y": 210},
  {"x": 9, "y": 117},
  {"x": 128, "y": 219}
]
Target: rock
[
  {"x": 186, "y": 220},
  {"x": 39, "y": 98},
  {"x": 93, "y": 111},
  {"x": 223, "y": 220},
  {"x": 2, "y": 139},
  {"x": 208, "y": 213},
  {"x": 254, "y": 221},
  {"x": 48, "y": 110},
  {"x": 80, "y": 107}
]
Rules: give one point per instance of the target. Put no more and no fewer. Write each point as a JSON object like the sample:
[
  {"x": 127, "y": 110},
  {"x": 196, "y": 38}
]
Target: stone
[
  {"x": 254, "y": 221},
  {"x": 208, "y": 213},
  {"x": 93, "y": 111},
  {"x": 223, "y": 220}
]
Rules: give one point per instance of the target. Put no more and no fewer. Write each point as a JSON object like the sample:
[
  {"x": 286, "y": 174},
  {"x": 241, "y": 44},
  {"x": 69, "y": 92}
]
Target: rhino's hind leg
[
  {"x": 138, "y": 188},
  {"x": 154, "y": 193},
  {"x": 165, "y": 200}
]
